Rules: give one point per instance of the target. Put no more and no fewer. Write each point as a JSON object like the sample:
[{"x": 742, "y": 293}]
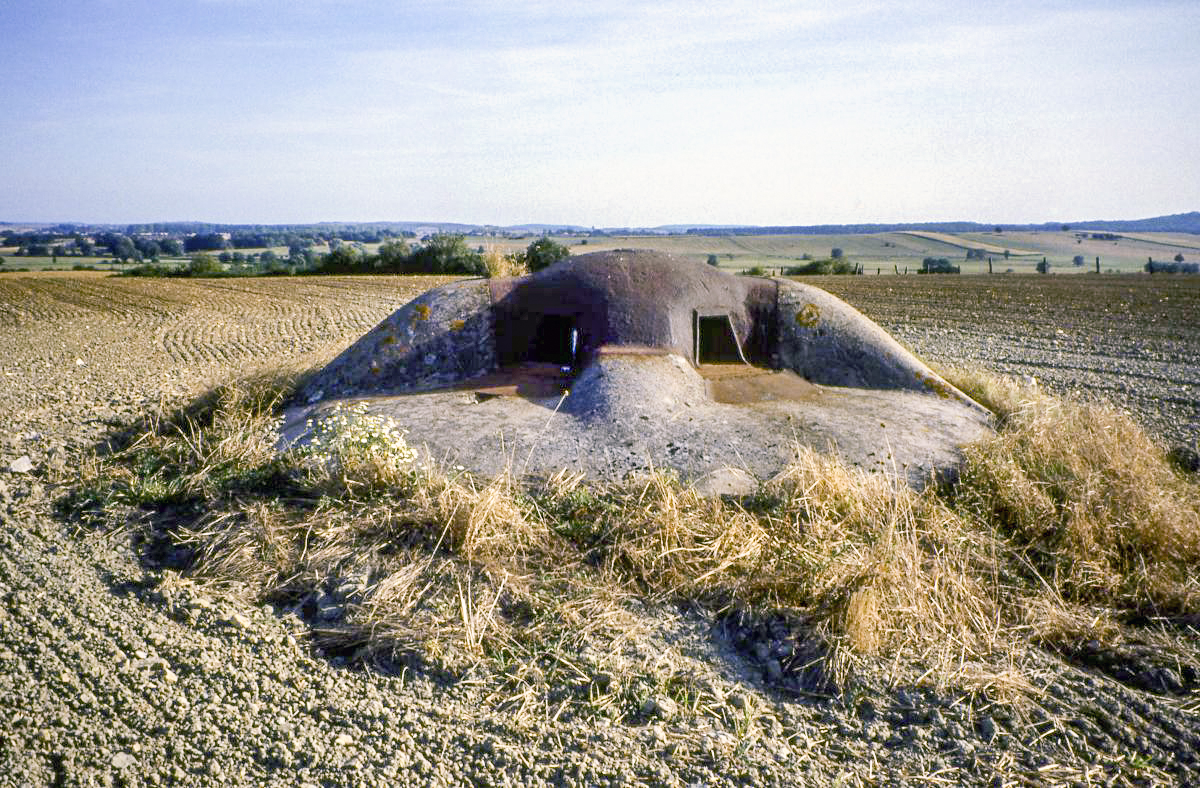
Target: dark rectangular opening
[
  {"x": 716, "y": 342},
  {"x": 555, "y": 341}
]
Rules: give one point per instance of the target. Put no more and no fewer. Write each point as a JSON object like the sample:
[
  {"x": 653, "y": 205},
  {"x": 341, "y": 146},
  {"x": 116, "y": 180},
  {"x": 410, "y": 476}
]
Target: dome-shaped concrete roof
[{"x": 594, "y": 324}]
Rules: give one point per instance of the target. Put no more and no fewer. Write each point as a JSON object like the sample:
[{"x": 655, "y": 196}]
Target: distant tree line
[
  {"x": 1178, "y": 266},
  {"x": 441, "y": 253},
  {"x": 818, "y": 267},
  {"x": 137, "y": 242},
  {"x": 836, "y": 264},
  {"x": 138, "y": 248},
  {"x": 244, "y": 236},
  {"x": 119, "y": 245}
]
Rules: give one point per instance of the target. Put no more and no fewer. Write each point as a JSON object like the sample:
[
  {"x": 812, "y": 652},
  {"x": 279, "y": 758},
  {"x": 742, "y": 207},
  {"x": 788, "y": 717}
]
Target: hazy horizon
[
  {"x": 630, "y": 114},
  {"x": 1084, "y": 222}
]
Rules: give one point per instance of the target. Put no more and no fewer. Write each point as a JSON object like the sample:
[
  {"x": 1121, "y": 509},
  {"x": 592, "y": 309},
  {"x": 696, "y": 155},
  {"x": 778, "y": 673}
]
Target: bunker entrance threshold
[
  {"x": 528, "y": 379},
  {"x": 547, "y": 364},
  {"x": 729, "y": 375}
]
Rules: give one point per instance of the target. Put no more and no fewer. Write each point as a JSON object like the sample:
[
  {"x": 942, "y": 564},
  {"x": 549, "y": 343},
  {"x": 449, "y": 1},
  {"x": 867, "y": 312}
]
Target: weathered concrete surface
[
  {"x": 825, "y": 340},
  {"x": 636, "y": 400},
  {"x": 441, "y": 337},
  {"x": 634, "y": 412},
  {"x": 635, "y": 385},
  {"x": 633, "y": 298}
]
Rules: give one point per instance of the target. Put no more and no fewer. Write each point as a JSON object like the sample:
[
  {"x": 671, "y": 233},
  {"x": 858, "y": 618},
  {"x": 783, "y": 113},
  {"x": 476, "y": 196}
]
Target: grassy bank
[{"x": 1067, "y": 524}]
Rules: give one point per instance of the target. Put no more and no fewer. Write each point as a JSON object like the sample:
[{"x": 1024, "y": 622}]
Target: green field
[
  {"x": 892, "y": 252},
  {"x": 877, "y": 252}
]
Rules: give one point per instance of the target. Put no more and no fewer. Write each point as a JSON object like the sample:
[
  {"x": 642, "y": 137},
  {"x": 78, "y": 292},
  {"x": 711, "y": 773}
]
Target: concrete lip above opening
[{"x": 615, "y": 362}]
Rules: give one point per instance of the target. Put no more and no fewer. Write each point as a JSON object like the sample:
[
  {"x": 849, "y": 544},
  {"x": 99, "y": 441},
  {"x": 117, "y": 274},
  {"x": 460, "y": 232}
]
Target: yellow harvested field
[
  {"x": 1182, "y": 240},
  {"x": 966, "y": 243}
]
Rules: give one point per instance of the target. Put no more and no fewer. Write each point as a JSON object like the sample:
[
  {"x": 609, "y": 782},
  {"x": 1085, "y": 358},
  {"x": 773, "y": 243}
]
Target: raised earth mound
[{"x": 616, "y": 362}]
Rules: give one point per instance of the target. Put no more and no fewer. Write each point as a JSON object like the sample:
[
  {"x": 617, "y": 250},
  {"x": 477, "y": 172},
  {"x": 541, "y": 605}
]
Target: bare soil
[{"x": 114, "y": 672}]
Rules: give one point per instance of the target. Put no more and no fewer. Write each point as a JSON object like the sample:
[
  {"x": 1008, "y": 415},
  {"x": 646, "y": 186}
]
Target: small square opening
[
  {"x": 716, "y": 342},
  {"x": 556, "y": 341}
]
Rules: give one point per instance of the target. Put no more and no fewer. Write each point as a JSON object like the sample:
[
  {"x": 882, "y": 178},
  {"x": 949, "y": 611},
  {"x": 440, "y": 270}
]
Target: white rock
[
  {"x": 21, "y": 465},
  {"x": 123, "y": 760},
  {"x": 726, "y": 481}
]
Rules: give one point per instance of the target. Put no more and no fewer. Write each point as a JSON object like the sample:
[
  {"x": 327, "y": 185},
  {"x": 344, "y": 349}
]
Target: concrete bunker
[
  {"x": 641, "y": 302},
  {"x": 641, "y": 339},
  {"x": 637, "y": 302}
]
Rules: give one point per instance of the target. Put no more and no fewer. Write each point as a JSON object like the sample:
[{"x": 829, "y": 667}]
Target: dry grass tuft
[
  {"x": 500, "y": 264},
  {"x": 879, "y": 568},
  {"x": 670, "y": 540},
  {"x": 1090, "y": 499},
  {"x": 885, "y": 569},
  {"x": 1000, "y": 394}
]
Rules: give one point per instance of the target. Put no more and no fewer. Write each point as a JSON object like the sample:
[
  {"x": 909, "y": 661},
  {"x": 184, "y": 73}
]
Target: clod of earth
[{"x": 615, "y": 362}]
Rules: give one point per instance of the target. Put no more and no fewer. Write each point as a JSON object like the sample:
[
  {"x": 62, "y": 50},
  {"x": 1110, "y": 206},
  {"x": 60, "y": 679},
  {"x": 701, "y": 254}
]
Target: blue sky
[{"x": 613, "y": 114}]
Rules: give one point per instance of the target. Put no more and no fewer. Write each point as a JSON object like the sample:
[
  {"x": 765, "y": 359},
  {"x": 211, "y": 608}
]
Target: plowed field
[
  {"x": 91, "y": 343},
  {"x": 1132, "y": 340},
  {"x": 111, "y": 676}
]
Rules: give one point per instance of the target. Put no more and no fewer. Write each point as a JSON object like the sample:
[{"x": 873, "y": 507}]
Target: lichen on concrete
[{"x": 442, "y": 337}]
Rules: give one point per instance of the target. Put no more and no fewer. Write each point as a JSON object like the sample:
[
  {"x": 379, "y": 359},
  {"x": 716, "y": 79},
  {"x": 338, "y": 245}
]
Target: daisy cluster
[{"x": 349, "y": 436}]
